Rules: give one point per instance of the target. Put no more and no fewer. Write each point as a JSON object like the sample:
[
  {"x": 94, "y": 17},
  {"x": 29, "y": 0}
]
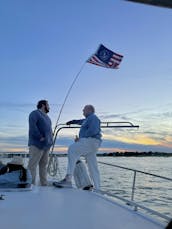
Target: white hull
[{"x": 52, "y": 208}]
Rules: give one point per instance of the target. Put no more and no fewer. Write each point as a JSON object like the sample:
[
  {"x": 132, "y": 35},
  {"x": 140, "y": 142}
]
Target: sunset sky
[{"x": 44, "y": 44}]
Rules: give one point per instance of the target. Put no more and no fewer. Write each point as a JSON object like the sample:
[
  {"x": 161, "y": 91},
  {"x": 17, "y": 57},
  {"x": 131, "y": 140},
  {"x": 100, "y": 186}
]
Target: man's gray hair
[{"x": 91, "y": 108}]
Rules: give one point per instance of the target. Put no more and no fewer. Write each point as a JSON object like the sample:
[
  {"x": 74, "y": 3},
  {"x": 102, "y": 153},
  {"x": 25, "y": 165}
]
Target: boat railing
[
  {"x": 53, "y": 161},
  {"x": 108, "y": 124},
  {"x": 131, "y": 201}
]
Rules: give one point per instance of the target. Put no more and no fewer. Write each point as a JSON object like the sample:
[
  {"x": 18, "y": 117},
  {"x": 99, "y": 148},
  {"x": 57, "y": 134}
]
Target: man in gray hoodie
[{"x": 40, "y": 141}]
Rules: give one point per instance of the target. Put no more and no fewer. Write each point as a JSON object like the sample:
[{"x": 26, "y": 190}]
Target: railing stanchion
[{"x": 133, "y": 187}]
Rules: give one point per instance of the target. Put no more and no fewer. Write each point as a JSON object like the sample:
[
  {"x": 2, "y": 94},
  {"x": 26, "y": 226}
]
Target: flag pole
[
  {"x": 53, "y": 160},
  {"x": 67, "y": 94},
  {"x": 64, "y": 102}
]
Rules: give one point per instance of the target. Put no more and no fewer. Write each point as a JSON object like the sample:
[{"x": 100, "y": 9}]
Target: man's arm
[
  {"x": 79, "y": 122},
  {"x": 34, "y": 130}
]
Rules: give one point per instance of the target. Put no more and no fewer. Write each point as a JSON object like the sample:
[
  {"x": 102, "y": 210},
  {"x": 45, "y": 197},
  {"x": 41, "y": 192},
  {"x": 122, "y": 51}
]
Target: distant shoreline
[
  {"x": 136, "y": 154},
  {"x": 111, "y": 154}
]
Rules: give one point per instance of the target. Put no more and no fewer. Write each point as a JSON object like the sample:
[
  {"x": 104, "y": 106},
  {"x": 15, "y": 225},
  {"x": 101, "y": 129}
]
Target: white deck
[{"x": 53, "y": 208}]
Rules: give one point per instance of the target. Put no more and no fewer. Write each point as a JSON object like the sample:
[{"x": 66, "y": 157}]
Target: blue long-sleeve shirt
[
  {"x": 90, "y": 127},
  {"x": 40, "y": 127}
]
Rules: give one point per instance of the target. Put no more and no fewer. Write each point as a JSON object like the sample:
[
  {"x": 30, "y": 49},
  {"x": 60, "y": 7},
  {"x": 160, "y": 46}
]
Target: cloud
[
  {"x": 9, "y": 143},
  {"x": 109, "y": 144},
  {"x": 7, "y": 104},
  {"x": 21, "y": 106},
  {"x": 114, "y": 146}
]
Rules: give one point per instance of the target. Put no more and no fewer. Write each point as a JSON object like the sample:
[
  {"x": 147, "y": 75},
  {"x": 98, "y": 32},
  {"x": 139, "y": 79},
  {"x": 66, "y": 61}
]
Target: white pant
[{"x": 86, "y": 147}]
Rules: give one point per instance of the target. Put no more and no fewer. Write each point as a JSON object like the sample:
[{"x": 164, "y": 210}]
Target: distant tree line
[{"x": 135, "y": 154}]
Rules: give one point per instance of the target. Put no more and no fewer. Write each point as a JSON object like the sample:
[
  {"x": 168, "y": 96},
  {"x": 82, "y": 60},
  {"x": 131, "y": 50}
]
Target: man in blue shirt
[
  {"x": 85, "y": 145},
  {"x": 40, "y": 141}
]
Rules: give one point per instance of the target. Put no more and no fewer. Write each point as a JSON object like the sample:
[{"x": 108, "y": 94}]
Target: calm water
[{"x": 152, "y": 192}]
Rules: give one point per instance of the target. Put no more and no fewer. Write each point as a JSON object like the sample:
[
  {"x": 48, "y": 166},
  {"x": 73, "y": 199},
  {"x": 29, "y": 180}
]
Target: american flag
[{"x": 105, "y": 58}]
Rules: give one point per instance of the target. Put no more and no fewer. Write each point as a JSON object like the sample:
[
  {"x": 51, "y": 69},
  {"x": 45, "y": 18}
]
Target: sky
[{"x": 44, "y": 45}]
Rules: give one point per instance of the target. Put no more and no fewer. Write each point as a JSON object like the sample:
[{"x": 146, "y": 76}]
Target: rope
[{"x": 53, "y": 166}]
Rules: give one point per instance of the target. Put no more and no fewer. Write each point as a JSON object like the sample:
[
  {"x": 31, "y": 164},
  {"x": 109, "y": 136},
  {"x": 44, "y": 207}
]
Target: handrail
[
  {"x": 132, "y": 202},
  {"x": 139, "y": 171},
  {"x": 136, "y": 205},
  {"x": 53, "y": 159},
  {"x": 103, "y": 125}
]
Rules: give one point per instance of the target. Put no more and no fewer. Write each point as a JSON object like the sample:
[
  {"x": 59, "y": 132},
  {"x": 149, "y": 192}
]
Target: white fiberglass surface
[{"x": 52, "y": 208}]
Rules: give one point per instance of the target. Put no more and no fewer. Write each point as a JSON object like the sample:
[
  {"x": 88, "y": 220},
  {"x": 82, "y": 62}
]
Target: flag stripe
[
  {"x": 95, "y": 60},
  {"x": 105, "y": 58}
]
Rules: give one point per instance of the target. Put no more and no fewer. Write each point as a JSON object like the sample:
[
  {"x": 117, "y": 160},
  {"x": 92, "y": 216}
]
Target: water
[{"x": 152, "y": 192}]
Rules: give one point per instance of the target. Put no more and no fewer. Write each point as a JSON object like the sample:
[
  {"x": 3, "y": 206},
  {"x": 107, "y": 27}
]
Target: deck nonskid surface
[{"x": 51, "y": 208}]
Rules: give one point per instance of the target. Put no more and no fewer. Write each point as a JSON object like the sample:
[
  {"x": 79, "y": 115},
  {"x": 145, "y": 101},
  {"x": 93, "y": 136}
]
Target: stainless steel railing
[
  {"x": 131, "y": 201},
  {"x": 61, "y": 126},
  {"x": 53, "y": 161}
]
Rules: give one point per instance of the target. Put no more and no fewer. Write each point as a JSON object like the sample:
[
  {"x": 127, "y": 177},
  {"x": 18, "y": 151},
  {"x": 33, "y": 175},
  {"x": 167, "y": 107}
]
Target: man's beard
[{"x": 46, "y": 110}]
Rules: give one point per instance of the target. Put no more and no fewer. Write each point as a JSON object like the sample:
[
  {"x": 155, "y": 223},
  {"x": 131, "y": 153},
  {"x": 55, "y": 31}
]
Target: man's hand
[
  {"x": 76, "y": 138},
  {"x": 42, "y": 139},
  {"x": 69, "y": 122}
]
